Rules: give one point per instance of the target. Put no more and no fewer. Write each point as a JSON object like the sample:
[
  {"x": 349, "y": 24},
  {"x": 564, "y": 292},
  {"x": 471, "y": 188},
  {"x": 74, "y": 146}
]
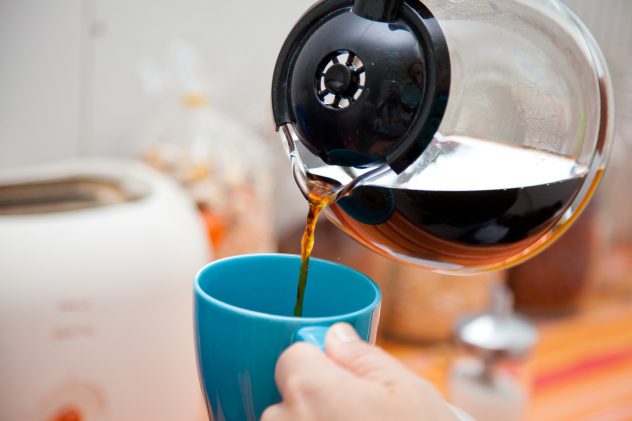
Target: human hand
[{"x": 352, "y": 380}]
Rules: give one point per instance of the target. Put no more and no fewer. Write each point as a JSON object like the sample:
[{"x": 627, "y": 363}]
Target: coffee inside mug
[{"x": 268, "y": 286}]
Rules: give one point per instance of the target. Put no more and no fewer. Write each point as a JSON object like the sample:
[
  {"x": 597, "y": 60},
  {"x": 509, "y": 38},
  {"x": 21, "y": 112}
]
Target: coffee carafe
[{"x": 458, "y": 135}]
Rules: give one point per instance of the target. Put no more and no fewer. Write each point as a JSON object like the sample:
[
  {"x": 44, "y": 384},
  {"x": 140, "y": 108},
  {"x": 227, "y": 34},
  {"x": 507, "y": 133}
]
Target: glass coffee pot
[{"x": 458, "y": 135}]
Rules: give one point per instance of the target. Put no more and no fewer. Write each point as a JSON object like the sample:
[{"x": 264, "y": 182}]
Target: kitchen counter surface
[{"x": 581, "y": 368}]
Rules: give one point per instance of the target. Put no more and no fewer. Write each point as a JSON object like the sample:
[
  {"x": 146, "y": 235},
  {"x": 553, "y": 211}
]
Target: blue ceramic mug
[{"x": 243, "y": 322}]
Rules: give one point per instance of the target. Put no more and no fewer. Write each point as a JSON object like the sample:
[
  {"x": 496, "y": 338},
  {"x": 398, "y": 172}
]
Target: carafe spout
[
  {"x": 322, "y": 183},
  {"x": 313, "y": 184}
]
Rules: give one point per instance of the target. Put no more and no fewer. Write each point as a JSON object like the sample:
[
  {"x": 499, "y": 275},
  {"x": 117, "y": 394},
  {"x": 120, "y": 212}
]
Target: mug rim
[{"x": 199, "y": 292}]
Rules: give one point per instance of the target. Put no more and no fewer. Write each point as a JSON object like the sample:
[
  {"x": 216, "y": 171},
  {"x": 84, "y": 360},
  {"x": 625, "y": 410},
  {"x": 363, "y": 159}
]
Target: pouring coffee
[{"x": 460, "y": 136}]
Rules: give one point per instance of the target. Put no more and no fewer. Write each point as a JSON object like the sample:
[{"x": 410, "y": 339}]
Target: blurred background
[{"x": 137, "y": 144}]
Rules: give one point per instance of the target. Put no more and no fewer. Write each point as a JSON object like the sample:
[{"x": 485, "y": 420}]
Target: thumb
[{"x": 345, "y": 348}]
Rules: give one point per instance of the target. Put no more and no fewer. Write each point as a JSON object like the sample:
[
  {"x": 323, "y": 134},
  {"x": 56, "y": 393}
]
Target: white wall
[
  {"x": 69, "y": 68},
  {"x": 40, "y": 79}
]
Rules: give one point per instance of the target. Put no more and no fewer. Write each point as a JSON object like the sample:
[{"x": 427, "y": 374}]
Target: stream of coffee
[
  {"x": 307, "y": 244},
  {"x": 320, "y": 196}
]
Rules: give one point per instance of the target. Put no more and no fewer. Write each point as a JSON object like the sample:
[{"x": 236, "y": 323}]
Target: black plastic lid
[{"x": 363, "y": 81}]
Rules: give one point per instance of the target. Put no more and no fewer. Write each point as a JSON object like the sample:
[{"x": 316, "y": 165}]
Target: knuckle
[
  {"x": 293, "y": 356},
  {"x": 375, "y": 364},
  {"x": 293, "y": 374},
  {"x": 300, "y": 385},
  {"x": 272, "y": 413},
  {"x": 366, "y": 361},
  {"x": 292, "y": 353}
]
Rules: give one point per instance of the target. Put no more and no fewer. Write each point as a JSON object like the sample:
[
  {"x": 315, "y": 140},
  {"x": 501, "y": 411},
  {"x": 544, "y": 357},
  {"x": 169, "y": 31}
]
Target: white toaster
[{"x": 97, "y": 259}]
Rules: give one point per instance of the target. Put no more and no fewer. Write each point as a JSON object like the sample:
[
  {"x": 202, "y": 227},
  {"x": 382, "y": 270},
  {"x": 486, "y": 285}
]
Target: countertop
[{"x": 581, "y": 368}]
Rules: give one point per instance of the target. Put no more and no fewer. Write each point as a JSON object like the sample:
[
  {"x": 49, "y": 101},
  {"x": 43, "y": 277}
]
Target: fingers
[
  {"x": 304, "y": 370},
  {"x": 353, "y": 380},
  {"x": 275, "y": 413},
  {"x": 344, "y": 346}
]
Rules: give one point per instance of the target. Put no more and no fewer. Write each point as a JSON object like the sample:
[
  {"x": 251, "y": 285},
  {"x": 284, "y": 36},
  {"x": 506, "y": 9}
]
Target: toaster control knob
[
  {"x": 68, "y": 414},
  {"x": 74, "y": 402}
]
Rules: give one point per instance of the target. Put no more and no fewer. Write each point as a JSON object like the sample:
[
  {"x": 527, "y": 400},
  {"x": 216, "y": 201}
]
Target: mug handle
[{"x": 314, "y": 335}]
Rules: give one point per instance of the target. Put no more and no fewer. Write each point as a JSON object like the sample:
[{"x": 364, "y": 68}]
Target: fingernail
[{"x": 345, "y": 333}]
